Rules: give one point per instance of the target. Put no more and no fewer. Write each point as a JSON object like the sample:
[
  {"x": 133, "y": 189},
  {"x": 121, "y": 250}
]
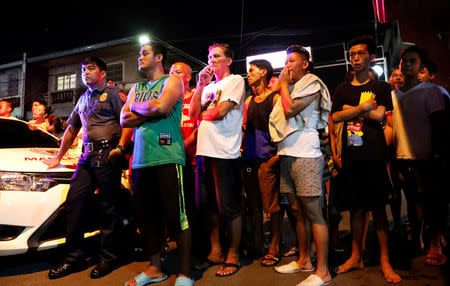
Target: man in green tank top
[{"x": 154, "y": 109}]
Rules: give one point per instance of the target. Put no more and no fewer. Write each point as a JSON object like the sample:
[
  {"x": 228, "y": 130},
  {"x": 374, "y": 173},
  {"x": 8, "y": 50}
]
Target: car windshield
[{"x": 16, "y": 134}]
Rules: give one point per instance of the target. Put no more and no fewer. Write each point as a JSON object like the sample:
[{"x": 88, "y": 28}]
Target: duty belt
[{"x": 99, "y": 145}]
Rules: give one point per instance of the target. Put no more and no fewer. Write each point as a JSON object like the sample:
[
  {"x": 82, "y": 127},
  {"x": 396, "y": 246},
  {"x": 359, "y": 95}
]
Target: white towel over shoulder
[{"x": 280, "y": 127}]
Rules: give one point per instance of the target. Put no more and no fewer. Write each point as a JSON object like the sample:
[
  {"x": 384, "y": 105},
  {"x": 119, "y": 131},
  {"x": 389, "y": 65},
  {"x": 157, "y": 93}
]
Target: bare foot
[
  {"x": 389, "y": 274},
  {"x": 351, "y": 264},
  {"x": 226, "y": 271},
  {"x": 151, "y": 272},
  {"x": 216, "y": 255}
]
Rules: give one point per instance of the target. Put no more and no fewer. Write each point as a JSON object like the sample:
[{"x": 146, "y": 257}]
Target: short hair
[
  {"x": 227, "y": 51},
  {"x": 430, "y": 65},
  {"x": 95, "y": 60},
  {"x": 265, "y": 65},
  {"x": 395, "y": 68},
  {"x": 366, "y": 40},
  {"x": 9, "y": 101},
  {"x": 415, "y": 49},
  {"x": 303, "y": 52},
  {"x": 58, "y": 122},
  {"x": 158, "y": 49},
  {"x": 48, "y": 108}
]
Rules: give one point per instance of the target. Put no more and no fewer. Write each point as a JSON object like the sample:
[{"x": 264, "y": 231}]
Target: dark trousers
[{"x": 86, "y": 179}]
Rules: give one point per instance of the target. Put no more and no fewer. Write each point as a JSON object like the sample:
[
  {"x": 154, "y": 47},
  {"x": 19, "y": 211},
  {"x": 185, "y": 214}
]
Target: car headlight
[{"x": 25, "y": 182}]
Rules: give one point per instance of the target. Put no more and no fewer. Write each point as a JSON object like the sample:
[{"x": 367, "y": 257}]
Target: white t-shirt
[
  {"x": 222, "y": 138},
  {"x": 304, "y": 143},
  {"x": 411, "y": 120}
]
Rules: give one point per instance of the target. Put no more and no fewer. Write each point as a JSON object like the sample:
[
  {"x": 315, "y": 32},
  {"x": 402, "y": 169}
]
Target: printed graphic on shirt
[
  {"x": 366, "y": 96},
  {"x": 144, "y": 96},
  {"x": 186, "y": 121},
  {"x": 354, "y": 132},
  {"x": 212, "y": 99},
  {"x": 354, "y": 127}
]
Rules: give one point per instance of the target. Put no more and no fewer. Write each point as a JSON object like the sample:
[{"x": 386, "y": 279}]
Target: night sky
[{"x": 39, "y": 29}]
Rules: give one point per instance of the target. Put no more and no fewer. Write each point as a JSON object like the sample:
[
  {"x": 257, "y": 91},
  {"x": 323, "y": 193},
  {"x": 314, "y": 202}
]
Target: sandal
[
  {"x": 435, "y": 259},
  {"x": 225, "y": 265},
  {"x": 184, "y": 281},
  {"x": 142, "y": 279},
  {"x": 207, "y": 264},
  {"x": 270, "y": 260}
]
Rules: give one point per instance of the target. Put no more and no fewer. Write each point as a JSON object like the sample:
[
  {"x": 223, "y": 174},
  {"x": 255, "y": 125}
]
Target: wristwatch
[{"x": 121, "y": 148}]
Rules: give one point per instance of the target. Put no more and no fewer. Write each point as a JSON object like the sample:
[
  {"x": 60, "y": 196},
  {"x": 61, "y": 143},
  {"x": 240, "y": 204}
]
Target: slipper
[
  {"x": 313, "y": 280},
  {"x": 205, "y": 265},
  {"x": 142, "y": 279},
  {"x": 270, "y": 260},
  {"x": 184, "y": 281},
  {"x": 225, "y": 265},
  {"x": 435, "y": 259},
  {"x": 291, "y": 268}
]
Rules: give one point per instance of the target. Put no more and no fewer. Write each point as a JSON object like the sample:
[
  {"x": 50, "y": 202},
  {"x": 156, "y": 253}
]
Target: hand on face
[
  {"x": 285, "y": 76},
  {"x": 205, "y": 75}
]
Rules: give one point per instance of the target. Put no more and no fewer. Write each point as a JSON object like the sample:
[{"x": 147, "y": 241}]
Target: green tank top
[{"x": 158, "y": 141}]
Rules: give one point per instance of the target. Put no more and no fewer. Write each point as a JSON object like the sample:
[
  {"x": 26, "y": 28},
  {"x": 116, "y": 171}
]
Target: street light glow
[
  {"x": 144, "y": 39},
  {"x": 378, "y": 69}
]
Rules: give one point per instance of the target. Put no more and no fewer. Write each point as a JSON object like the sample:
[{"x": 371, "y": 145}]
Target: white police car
[{"x": 32, "y": 197}]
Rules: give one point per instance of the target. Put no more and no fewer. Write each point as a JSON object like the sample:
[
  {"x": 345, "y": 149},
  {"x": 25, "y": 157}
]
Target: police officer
[{"x": 98, "y": 113}]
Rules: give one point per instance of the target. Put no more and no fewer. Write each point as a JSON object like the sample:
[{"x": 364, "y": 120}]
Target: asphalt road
[{"x": 32, "y": 269}]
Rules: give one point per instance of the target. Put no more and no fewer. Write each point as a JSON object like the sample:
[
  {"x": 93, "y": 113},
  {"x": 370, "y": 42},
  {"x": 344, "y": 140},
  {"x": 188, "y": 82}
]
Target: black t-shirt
[{"x": 363, "y": 139}]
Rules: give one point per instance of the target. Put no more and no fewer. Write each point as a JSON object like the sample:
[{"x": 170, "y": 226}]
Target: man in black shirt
[{"x": 361, "y": 104}]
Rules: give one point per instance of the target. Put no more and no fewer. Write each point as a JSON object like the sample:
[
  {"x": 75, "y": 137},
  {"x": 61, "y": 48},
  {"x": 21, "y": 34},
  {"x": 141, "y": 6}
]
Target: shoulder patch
[
  {"x": 103, "y": 96},
  {"x": 123, "y": 96}
]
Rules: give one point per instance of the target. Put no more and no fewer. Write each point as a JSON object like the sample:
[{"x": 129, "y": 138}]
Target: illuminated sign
[{"x": 276, "y": 59}]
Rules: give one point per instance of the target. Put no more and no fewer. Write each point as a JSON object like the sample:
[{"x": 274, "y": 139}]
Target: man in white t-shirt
[
  {"x": 420, "y": 138},
  {"x": 302, "y": 162},
  {"x": 219, "y": 106}
]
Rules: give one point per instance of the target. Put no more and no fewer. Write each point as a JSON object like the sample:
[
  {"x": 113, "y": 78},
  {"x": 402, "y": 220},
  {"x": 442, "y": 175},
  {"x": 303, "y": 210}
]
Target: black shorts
[
  {"x": 159, "y": 200},
  {"x": 219, "y": 186},
  {"x": 365, "y": 184}
]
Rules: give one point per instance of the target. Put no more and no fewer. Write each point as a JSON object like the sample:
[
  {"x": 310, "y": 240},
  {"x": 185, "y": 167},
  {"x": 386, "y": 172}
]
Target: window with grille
[
  {"x": 114, "y": 72},
  {"x": 67, "y": 81},
  {"x": 13, "y": 86}
]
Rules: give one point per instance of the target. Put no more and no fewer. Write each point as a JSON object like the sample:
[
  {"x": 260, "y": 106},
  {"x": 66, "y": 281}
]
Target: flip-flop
[
  {"x": 266, "y": 262},
  {"x": 225, "y": 265},
  {"x": 435, "y": 259},
  {"x": 291, "y": 268},
  {"x": 313, "y": 280},
  {"x": 142, "y": 279},
  {"x": 184, "y": 281},
  {"x": 206, "y": 264}
]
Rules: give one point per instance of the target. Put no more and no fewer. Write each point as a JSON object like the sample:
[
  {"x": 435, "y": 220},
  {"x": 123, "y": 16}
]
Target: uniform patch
[
  {"x": 103, "y": 96},
  {"x": 123, "y": 96}
]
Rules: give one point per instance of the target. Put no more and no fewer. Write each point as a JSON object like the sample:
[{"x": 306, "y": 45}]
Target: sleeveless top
[
  {"x": 258, "y": 144},
  {"x": 157, "y": 141}
]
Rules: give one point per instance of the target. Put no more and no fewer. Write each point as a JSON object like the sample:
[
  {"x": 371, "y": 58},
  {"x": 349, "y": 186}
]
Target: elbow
[
  {"x": 335, "y": 118},
  {"x": 161, "y": 110},
  {"x": 288, "y": 113},
  {"x": 378, "y": 117}
]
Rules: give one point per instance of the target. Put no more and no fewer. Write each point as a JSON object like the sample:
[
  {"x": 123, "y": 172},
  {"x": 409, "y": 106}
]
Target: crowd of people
[{"x": 207, "y": 159}]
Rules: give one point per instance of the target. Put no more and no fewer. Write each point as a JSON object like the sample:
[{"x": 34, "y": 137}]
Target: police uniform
[{"x": 98, "y": 114}]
